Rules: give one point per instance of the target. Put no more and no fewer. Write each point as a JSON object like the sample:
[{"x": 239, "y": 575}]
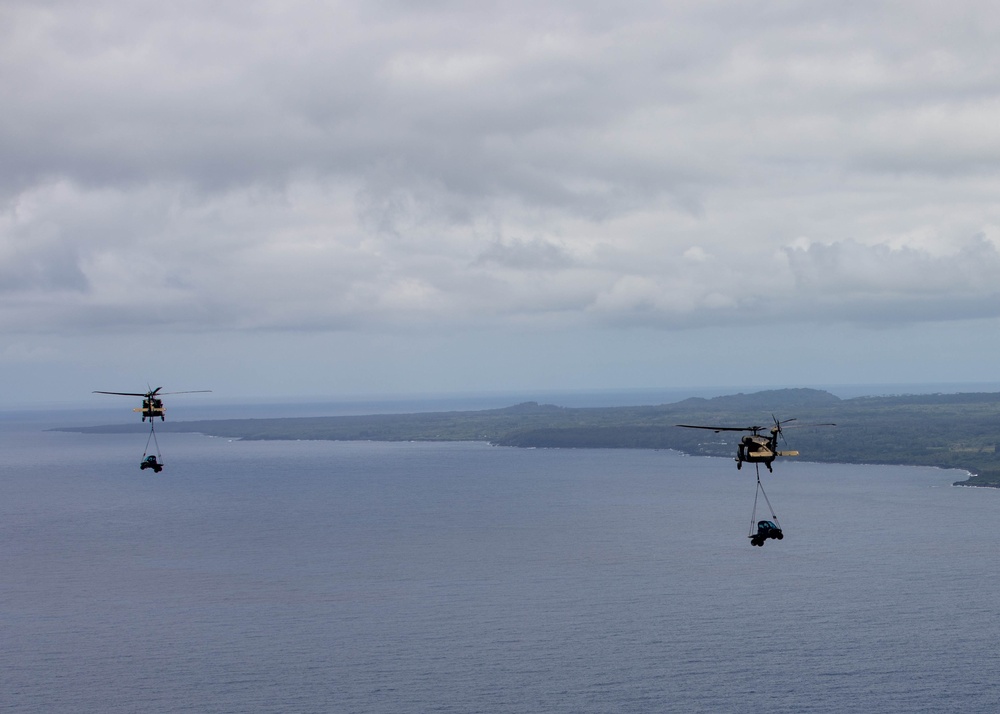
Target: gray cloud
[
  {"x": 339, "y": 166},
  {"x": 536, "y": 254},
  {"x": 896, "y": 285}
]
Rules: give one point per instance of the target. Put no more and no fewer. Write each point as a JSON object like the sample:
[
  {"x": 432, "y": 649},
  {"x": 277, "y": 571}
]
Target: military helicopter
[
  {"x": 152, "y": 405},
  {"x": 757, "y": 448}
]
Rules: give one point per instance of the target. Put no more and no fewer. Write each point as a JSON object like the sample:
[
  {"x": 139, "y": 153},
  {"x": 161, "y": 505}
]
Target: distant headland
[{"x": 952, "y": 431}]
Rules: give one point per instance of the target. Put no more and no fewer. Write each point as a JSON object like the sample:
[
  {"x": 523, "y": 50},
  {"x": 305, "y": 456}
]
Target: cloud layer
[{"x": 321, "y": 166}]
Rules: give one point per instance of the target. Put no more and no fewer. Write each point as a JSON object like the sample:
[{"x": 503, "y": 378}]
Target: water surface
[{"x": 372, "y": 577}]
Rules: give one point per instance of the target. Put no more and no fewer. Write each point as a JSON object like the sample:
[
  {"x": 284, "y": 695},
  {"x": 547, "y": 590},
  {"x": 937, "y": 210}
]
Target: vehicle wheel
[{"x": 780, "y": 536}]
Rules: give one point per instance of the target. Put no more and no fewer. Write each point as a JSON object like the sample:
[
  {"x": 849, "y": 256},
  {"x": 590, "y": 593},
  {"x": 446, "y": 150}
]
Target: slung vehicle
[{"x": 765, "y": 531}]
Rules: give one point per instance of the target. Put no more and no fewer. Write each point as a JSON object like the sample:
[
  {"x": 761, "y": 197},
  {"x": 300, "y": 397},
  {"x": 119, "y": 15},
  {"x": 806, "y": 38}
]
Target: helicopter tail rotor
[{"x": 777, "y": 426}]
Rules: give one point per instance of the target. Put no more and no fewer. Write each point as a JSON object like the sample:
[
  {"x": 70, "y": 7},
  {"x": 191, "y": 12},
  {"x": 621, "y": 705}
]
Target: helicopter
[
  {"x": 757, "y": 448},
  {"x": 152, "y": 405}
]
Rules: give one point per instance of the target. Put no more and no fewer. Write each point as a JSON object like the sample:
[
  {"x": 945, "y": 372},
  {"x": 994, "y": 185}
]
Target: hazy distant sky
[{"x": 365, "y": 197}]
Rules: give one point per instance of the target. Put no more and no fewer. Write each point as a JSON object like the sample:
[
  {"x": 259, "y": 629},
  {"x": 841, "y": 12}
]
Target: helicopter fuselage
[
  {"x": 756, "y": 450},
  {"x": 759, "y": 449},
  {"x": 152, "y": 408}
]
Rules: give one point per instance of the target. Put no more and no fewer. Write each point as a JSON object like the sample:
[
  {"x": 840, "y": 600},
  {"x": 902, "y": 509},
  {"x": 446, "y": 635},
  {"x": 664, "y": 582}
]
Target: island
[{"x": 950, "y": 431}]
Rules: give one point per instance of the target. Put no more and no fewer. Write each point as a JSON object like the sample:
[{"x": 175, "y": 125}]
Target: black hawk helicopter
[
  {"x": 152, "y": 405},
  {"x": 757, "y": 448}
]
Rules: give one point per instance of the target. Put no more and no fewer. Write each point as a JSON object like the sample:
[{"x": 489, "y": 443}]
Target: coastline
[{"x": 891, "y": 430}]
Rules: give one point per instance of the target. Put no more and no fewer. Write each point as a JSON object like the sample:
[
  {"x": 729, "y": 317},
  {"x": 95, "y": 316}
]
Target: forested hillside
[{"x": 958, "y": 431}]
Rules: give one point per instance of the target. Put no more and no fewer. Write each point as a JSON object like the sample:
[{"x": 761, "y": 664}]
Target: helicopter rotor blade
[
  {"x": 151, "y": 393},
  {"x": 719, "y": 428},
  {"x": 779, "y": 426}
]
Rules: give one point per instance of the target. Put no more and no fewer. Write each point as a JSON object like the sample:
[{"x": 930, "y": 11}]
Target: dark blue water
[{"x": 367, "y": 577}]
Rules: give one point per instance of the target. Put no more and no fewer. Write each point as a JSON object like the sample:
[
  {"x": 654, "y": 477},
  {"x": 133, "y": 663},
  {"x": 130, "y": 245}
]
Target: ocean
[{"x": 460, "y": 577}]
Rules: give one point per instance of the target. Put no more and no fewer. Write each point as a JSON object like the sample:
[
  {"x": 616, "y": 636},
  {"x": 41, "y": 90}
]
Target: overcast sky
[{"x": 365, "y": 197}]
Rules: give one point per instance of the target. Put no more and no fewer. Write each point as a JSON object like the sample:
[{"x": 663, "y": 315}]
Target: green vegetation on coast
[{"x": 954, "y": 431}]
